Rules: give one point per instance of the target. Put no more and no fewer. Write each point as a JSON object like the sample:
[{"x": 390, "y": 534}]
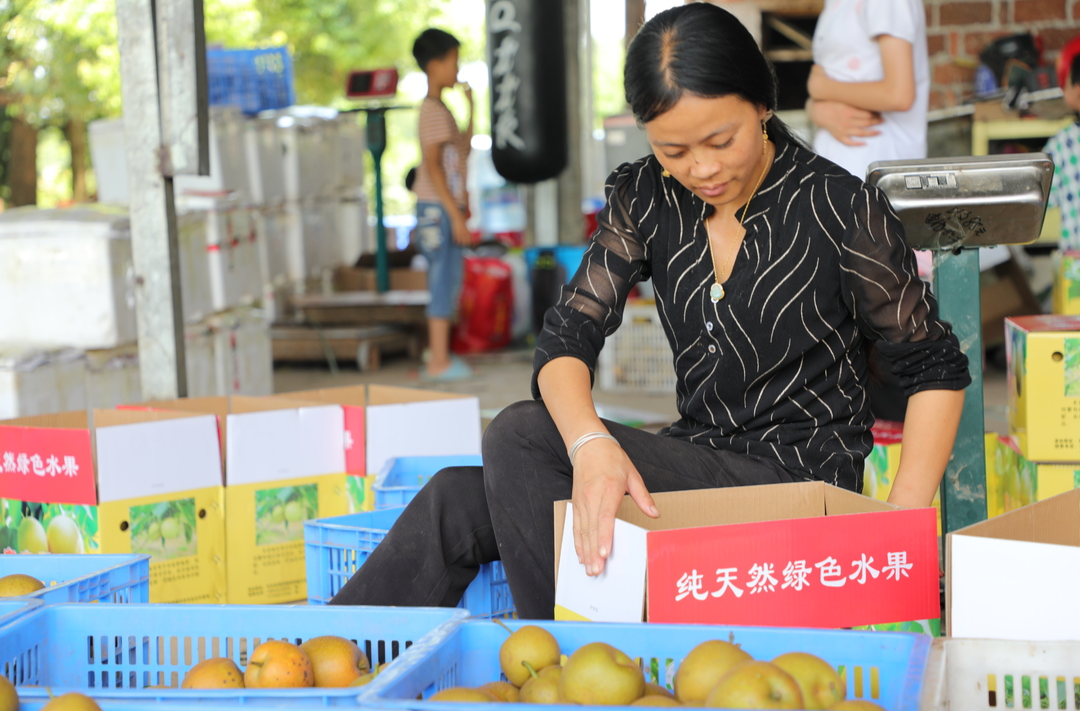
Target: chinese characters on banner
[
  {"x": 832, "y": 571},
  {"x": 48, "y": 465}
]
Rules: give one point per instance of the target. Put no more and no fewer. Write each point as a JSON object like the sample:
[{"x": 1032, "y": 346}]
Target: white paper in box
[
  {"x": 1014, "y": 590},
  {"x": 284, "y": 444},
  {"x": 155, "y": 458},
  {"x": 426, "y": 428}
]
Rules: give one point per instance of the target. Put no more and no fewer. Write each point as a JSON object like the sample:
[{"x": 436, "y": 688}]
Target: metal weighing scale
[{"x": 953, "y": 206}]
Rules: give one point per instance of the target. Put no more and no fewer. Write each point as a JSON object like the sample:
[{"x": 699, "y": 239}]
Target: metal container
[{"x": 949, "y": 203}]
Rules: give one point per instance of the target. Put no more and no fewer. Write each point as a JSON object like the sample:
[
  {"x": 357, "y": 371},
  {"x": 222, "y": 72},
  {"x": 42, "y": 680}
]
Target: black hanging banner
[{"x": 528, "y": 89}]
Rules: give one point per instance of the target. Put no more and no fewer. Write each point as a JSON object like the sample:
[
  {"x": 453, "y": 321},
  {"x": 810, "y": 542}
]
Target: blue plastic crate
[
  {"x": 16, "y": 606},
  {"x": 890, "y": 664},
  {"x": 252, "y": 79},
  {"x": 88, "y": 577},
  {"x": 402, "y": 478},
  {"x": 113, "y": 652},
  {"x": 335, "y": 547}
]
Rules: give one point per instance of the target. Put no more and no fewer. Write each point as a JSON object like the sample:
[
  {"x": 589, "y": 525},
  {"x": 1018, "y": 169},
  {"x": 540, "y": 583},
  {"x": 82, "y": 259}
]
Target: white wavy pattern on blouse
[{"x": 777, "y": 368}]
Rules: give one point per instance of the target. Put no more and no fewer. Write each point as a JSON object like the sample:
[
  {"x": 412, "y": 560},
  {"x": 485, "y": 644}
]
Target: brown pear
[
  {"x": 599, "y": 674},
  {"x": 656, "y": 700},
  {"x": 654, "y": 689},
  {"x": 543, "y": 688},
  {"x": 531, "y": 644},
  {"x": 755, "y": 685},
  {"x": 820, "y": 684},
  {"x": 214, "y": 673},
  {"x": 72, "y": 701},
  {"x": 463, "y": 693},
  {"x": 502, "y": 690},
  {"x": 703, "y": 667},
  {"x": 9, "y": 698}
]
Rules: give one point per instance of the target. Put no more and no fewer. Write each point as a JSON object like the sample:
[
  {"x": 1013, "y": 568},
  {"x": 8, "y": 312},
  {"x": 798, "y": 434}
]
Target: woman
[{"x": 772, "y": 268}]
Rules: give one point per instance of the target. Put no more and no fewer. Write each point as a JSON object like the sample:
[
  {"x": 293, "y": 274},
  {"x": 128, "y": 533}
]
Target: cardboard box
[
  {"x": 353, "y": 402},
  {"x": 357, "y": 279},
  {"x": 127, "y": 482},
  {"x": 1066, "y": 294},
  {"x": 1015, "y": 576},
  {"x": 1043, "y": 369},
  {"x": 284, "y": 464},
  {"x": 406, "y": 422},
  {"x": 796, "y": 555},
  {"x": 1016, "y": 481}
]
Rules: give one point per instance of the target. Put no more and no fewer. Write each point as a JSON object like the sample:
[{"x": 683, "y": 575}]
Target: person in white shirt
[{"x": 870, "y": 84}]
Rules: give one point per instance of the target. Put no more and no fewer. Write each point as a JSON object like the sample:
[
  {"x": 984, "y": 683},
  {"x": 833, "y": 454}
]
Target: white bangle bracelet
[{"x": 588, "y": 437}]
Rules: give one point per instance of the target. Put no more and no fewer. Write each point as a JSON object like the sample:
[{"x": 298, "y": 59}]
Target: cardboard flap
[
  {"x": 1055, "y": 521},
  {"x": 155, "y": 457},
  {"x": 242, "y": 404},
  {"x": 841, "y": 501},
  {"x": 284, "y": 444},
  {"x": 439, "y": 427},
  {"x": 112, "y": 418},
  {"x": 78, "y": 419},
  {"x": 353, "y": 395},
  {"x": 389, "y": 395},
  {"x": 213, "y": 405}
]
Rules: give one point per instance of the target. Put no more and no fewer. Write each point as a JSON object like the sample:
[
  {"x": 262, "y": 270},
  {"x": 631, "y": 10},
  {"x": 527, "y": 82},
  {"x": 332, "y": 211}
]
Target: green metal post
[
  {"x": 963, "y": 490},
  {"x": 376, "y": 140}
]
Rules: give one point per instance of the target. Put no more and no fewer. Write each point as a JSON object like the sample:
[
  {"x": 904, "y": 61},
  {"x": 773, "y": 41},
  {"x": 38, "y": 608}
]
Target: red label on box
[
  {"x": 355, "y": 456},
  {"x": 47, "y": 465},
  {"x": 827, "y": 571}
]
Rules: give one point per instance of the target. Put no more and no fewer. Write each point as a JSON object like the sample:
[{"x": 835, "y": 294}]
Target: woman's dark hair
[
  {"x": 703, "y": 50},
  {"x": 433, "y": 44}
]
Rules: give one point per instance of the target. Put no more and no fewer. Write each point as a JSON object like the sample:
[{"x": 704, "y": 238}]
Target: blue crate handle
[
  {"x": 84, "y": 577},
  {"x": 12, "y": 608}
]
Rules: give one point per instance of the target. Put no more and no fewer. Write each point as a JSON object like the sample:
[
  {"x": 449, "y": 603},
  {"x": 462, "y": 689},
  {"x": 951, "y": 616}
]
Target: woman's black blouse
[{"x": 777, "y": 369}]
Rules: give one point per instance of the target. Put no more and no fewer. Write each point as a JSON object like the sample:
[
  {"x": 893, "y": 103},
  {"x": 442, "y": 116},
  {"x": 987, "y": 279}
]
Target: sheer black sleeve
[
  {"x": 591, "y": 305},
  {"x": 891, "y": 304}
]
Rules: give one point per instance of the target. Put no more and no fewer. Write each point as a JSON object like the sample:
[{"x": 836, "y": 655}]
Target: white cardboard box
[
  {"x": 243, "y": 359},
  {"x": 66, "y": 277},
  {"x": 405, "y": 422},
  {"x": 230, "y": 250},
  {"x": 263, "y": 158},
  {"x": 35, "y": 382},
  {"x": 1015, "y": 576}
]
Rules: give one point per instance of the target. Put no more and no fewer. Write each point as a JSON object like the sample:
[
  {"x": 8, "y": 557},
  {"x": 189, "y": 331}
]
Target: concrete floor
[{"x": 504, "y": 378}]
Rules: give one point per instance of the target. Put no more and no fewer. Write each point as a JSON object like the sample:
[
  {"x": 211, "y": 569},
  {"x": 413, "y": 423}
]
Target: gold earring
[
  {"x": 764, "y": 138},
  {"x": 665, "y": 173}
]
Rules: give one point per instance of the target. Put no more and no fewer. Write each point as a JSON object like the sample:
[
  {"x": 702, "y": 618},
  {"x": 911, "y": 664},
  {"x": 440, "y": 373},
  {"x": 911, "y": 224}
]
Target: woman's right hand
[
  {"x": 461, "y": 234},
  {"x": 602, "y": 475},
  {"x": 846, "y": 123}
]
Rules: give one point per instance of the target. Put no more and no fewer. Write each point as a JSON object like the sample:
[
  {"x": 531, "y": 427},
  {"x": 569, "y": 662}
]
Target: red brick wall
[{"x": 958, "y": 29}]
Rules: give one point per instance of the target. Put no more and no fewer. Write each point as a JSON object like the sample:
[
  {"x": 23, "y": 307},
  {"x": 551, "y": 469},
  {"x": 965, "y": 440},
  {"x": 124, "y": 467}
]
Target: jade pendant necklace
[{"x": 716, "y": 291}]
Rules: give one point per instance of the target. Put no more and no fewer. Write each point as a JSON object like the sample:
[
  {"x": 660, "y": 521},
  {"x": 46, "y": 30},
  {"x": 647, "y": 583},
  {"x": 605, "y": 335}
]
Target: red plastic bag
[{"x": 486, "y": 307}]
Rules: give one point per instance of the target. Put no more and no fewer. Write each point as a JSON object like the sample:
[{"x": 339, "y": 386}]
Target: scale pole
[
  {"x": 376, "y": 139},
  {"x": 963, "y": 489}
]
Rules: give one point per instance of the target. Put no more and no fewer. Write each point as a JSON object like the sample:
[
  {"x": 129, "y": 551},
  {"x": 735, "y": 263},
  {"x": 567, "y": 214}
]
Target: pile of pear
[{"x": 715, "y": 674}]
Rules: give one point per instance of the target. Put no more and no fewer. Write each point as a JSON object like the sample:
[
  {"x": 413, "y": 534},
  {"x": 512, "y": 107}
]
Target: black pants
[{"x": 467, "y": 516}]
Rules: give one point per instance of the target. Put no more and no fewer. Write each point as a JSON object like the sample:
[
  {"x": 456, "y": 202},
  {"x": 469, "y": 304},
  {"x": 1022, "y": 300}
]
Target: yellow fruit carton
[
  {"x": 1015, "y": 576},
  {"x": 383, "y": 422},
  {"x": 1016, "y": 481},
  {"x": 1043, "y": 364},
  {"x": 353, "y": 402},
  {"x": 284, "y": 464},
  {"x": 125, "y": 481},
  {"x": 1066, "y": 293}
]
